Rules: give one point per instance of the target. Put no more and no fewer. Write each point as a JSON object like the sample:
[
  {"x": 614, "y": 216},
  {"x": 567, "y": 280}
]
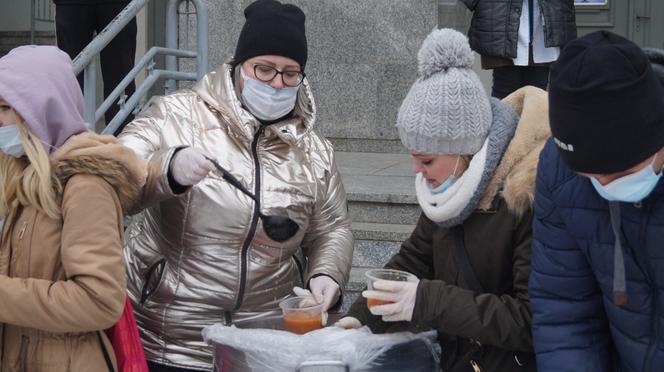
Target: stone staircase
[
  {"x": 11, "y": 39},
  {"x": 383, "y": 208}
]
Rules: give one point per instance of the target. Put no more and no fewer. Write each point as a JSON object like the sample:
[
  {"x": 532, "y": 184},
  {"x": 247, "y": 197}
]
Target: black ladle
[{"x": 278, "y": 228}]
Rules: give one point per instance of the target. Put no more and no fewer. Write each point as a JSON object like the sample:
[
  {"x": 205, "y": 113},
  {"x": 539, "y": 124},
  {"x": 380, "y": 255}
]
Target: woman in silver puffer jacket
[{"x": 199, "y": 254}]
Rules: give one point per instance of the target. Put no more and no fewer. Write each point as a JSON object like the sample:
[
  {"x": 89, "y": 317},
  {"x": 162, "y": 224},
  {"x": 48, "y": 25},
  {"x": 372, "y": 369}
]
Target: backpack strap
[{"x": 107, "y": 358}]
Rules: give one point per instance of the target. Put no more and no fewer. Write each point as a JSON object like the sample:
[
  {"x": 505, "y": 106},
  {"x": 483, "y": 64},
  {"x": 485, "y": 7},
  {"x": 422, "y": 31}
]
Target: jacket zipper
[
  {"x": 654, "y": 319},
  {"x": 254, "y": 221},
  {"x": 300, "y": 270}
]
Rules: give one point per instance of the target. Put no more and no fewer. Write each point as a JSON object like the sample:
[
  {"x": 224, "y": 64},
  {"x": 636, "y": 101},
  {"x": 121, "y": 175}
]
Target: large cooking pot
[{"x": 261, "y": 345}]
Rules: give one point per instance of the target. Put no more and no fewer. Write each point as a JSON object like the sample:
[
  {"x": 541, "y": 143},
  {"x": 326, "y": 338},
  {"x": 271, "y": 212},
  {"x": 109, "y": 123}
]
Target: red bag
[{"x": 127, "y": 343}]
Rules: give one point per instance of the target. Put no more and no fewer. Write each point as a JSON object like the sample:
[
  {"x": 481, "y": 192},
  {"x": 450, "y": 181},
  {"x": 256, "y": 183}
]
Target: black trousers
[
  {"x": 154, "y": 367},
  {"x": 507, "y": 79},
  {"x": 75, "y": 26}
]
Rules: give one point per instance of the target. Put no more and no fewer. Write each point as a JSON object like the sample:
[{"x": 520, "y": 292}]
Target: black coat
[
  {"x": 498, "y": 245},
  {"x": 494, "y": 28},
  {"x": 89, "y": 2},
  {"x": 497, "y": 240}
]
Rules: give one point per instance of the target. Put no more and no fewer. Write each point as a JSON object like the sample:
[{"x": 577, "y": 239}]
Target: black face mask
[{"x": 277, "y": 228}]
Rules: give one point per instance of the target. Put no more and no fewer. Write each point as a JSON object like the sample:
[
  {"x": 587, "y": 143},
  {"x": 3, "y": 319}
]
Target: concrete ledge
[
  {"x": 11, "y": 39},
  {"x": 378, "y": 178},
  {"x": 391, "y": 198},
  {"x": 373, "y": 253},
  {"x": 385, "y": 213},
  {"x": 367, "y": 145},
  {"x": 349, "y": 299},
  {"x": 382, "y": 231},
  {"x": 357, "y": 281}
]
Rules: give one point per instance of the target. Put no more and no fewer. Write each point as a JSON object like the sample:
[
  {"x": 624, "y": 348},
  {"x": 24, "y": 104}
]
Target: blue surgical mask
[
  {"x": 444, "y": 186},
  {"x": 10, "y": 141},
  {"x": 265, "y": 102},
  {"x": 631, "y": 188},
  {"x": 448, "y": 182}
]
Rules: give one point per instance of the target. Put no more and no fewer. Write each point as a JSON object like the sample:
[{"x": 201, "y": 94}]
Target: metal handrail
[
  {"x": 146, "y": 61},
  {"x": 103, "y": 38},
  {"x": 172, "y": 37},
  {"x": 85, "y": 62}
]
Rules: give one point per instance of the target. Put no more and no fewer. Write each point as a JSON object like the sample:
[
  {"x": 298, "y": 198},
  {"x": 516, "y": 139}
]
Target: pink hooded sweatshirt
[{"x": 39, "y": 83}]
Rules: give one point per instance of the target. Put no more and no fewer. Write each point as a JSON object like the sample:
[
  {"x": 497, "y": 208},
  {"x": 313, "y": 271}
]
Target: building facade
[{"x": 362, "y": 53}]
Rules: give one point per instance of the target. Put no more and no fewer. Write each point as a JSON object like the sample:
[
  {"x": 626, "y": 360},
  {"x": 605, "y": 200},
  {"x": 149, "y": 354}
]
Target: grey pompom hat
[{"x": 446, "y": 110}]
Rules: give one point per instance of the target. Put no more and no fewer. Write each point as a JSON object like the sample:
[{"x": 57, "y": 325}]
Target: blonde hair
[
  {"x": 464, "y": 162},
  {"x": 28, "y": 179}
]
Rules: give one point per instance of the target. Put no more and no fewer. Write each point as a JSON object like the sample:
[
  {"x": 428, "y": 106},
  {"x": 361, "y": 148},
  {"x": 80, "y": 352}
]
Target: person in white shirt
[{"x": 519, "y": 40}]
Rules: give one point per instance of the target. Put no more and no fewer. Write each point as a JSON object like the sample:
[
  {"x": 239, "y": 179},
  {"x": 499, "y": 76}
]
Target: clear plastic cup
[
  {"x": 385, "y": 274},
  {"x": 301, "y": 314}
]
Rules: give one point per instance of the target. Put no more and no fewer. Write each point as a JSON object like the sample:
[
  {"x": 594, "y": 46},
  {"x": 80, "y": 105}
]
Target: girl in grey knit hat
[{"x": 475, "y": 159}]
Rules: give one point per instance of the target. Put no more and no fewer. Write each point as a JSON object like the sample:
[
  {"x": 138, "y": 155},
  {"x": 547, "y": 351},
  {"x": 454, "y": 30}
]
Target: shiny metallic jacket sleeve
[
  {"x": 328, "y": 242},
  {"x": 143, "y": 135}
]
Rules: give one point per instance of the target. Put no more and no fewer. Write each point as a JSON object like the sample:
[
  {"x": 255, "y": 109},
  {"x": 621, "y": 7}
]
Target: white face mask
[
  {"x": 265, "y": 102},
  {"x": 631, "y": 188},
  {"x": 10, "y": 141}
]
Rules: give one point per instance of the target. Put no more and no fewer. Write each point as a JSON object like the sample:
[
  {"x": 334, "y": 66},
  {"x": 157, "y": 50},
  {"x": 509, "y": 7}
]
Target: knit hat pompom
[
  {"x": 446, "y": 110},
  {"x": 443, "y": 49}
]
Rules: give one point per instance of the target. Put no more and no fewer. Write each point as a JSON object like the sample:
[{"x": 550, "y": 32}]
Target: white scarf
[{"x": 450, "y": 203}]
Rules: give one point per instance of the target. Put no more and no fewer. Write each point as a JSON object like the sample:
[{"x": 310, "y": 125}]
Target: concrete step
[
  {"x": 381, "y": 231},
  {"x": 379, "y": 187},
  {"x": 11, "y": 39},
  {"x": 357, "y": 281},
  {"x": 373, "y": 253},
  {"x": 356, "y": 284},
  {"x": 349, "y": 299},
  {"x": 376, "y": 243},
  {"x": 383, "y": 207},
  {"x": 386, "y": 213}
]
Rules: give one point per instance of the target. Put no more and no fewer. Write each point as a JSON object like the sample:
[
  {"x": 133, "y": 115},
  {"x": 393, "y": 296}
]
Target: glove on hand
[
  {"x": 189, "y": 166},
  {"x": 402, "y": 294},
  {"x": 325, "y": 290}
]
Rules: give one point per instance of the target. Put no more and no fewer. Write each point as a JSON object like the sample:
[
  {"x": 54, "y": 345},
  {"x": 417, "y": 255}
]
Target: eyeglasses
[{"x": 266, "y": 73}]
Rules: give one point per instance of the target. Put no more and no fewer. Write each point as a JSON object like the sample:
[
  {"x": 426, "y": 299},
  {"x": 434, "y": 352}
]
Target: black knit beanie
[
  {"x": 272, "y": 28},
  {"x": 606, "y": 105}
]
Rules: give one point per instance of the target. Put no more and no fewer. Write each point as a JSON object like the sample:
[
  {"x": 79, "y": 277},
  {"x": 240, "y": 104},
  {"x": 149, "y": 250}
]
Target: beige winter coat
[
  {"x": 202, "y": 257},
  {"x": 62, "y": 280}
]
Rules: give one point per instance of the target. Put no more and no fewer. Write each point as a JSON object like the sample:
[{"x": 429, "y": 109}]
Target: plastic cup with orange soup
[
  {"x": 301, "y": 314},
  {"x": 385, "y": 274}
]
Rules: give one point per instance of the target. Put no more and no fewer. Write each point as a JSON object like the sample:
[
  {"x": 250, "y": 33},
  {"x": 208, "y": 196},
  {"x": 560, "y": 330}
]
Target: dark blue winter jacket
[{"x": 576, "y": 325}]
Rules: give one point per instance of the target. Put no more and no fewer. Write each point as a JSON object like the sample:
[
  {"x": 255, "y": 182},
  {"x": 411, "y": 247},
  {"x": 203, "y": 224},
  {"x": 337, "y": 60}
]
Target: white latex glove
[
  {"x": 306, "y": 293},
  {"x": 348, "y": 322},
  {"x": 401, "y": 293},
  {"x": 299, "y": 291},
  {"x": 325, "y": 290},
  {"x": 189, "y": 166}
]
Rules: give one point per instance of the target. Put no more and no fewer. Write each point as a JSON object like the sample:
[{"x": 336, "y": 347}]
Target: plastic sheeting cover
[{"x": 268, "y": 350}]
